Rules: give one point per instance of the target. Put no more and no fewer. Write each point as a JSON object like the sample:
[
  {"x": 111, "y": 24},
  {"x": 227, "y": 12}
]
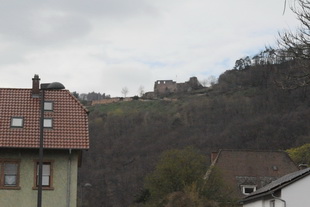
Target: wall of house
[
  {"x": 26, "y": 196},
  {"x": 258, "y": 203},
  {"x": 297, "y": 193},
  {"x": 265, "y": 202},
  {"x": 277, "y": 203}
]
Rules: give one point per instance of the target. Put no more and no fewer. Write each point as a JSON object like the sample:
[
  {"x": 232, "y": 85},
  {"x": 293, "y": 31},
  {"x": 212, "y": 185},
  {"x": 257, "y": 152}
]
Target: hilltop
[{"x": 246, "y": 109}]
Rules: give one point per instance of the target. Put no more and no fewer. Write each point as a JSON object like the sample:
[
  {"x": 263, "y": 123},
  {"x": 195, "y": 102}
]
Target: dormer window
[
  {"x": 247, "y": 189},
  {"x": 17, "y": 122},
  {"x": 48, "y": 123},
  {"x": 48, "y": 106}
]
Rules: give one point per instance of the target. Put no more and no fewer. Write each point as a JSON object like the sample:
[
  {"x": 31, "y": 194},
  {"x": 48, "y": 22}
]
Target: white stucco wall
[
  {"x": 264, "y": 203},
  {"x": 278, "y": 203},
  {"x": 258, "y": 203},
  {"x": 297, "y": 194}
]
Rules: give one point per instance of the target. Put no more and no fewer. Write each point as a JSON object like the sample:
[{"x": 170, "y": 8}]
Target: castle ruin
[{"x": 164, "y": 87}]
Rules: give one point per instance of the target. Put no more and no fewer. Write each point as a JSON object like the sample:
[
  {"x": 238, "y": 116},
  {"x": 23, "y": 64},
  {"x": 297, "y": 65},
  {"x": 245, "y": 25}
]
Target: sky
[{"x": 106, "y": 45}]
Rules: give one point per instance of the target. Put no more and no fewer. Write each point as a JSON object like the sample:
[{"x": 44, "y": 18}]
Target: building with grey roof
[{"x": 289, "y": 190}]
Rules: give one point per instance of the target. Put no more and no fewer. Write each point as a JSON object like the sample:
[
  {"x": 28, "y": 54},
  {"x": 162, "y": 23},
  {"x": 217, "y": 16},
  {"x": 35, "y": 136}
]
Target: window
[
  {"x": 48, "y": 123},
  {"x": 272, "y": 203},
  {"x": 247, "y": 189},
  {"x": 9, "y": 171},
  {"x": 48, "y": 106},
  {"x": 10, "y": 174},
  {"x": 46, "y": 175},
  {"x": 17, "y": 122}
]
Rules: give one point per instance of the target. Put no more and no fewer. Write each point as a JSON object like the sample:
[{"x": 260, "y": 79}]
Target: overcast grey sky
[{"x": 105, "y": 45}]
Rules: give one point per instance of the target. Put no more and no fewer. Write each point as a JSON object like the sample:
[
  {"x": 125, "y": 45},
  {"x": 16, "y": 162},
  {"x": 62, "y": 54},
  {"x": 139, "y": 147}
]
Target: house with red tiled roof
[
  {"x": 245, "y": 171},
  {"x": 43, "y": 131}
]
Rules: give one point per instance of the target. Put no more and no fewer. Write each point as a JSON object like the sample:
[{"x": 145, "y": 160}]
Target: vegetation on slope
[
  {"x": 178, "y": 180},
  {"x": 300, "y": 155},
  {"x": 265, "y": 106},
  {"x": 245, "y": 110}
]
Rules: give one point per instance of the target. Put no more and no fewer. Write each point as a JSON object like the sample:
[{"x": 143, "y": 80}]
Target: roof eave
[{"x": 273, "y": 190}]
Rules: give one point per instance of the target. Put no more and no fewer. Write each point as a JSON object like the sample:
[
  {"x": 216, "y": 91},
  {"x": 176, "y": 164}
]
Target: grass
[{"x": 158, "y": 106}]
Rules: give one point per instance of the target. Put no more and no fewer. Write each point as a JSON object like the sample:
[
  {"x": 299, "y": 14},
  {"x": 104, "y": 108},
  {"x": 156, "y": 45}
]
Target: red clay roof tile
[{"x": 70, "y": 120}]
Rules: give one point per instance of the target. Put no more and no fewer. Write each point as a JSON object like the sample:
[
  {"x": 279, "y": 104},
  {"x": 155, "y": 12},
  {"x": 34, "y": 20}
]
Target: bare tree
[
  {"x": 212, "y": 80},
  {"x": 124, "y": 91},
  {"x": 204, "y": 82},
  {"x": 141, "y": 91},
  {"x": 297, "y": 44},
  {"x": 296, "y": 47},
  {"x": 209, "y": 81}
]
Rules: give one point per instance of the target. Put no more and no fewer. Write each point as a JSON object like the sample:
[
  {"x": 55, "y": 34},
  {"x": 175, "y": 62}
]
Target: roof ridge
[
  {"x": 15, "y": 89},
  {"x": 251, "y": 150}
]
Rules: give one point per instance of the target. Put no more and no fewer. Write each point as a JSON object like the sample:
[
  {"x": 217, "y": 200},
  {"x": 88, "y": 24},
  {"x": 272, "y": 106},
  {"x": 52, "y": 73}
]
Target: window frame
[
  {"x": 36, "y": 176},
  {"x": 17, "y": 118},
  {"x": 243, "y": 188},
  {"x": 2, "y": 174},
  {"x": 45, "y": 106}
]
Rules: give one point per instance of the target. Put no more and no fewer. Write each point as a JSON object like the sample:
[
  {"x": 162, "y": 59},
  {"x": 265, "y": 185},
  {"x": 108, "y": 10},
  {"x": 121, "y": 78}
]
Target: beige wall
[{"x": 26, "y": 196}]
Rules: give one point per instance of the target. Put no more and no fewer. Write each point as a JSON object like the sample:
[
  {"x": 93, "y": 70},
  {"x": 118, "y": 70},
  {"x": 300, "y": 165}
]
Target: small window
[
  {"x": 17, "y": 122},
  {"x": 272, "y": 203},
  {"x": 48, "y": 123},
  {"x": 247, "y": 189},
  {"x": 9, "y": 174},
  {"x": 48, "y": 106},
  {"x": 46, "y": 175}
]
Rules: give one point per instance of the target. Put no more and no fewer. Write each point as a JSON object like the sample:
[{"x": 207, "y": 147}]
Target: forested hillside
[{"x": 247, "y": 109}]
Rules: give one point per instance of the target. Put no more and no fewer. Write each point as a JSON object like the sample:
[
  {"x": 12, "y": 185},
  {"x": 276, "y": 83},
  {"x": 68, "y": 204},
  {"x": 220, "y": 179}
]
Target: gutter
[{"x": 69, "y": 179}]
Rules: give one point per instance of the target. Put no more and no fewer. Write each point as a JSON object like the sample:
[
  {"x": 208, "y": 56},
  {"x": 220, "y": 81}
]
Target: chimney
[
  {"x": 36, "y": 86},
  {"x": 213, "y": 156}
]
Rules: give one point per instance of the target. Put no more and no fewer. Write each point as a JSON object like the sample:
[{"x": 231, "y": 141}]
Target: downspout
[
  {"x": 69, "y": 180},
  {"x": 277, "y": 198},
  {"x": 39, "y": 199}
]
